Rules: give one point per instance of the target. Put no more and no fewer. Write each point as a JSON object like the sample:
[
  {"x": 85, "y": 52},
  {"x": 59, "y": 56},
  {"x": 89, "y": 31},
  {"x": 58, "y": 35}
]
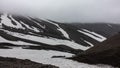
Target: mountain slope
[
  {"x": 104, "y": 29},
  {"x": 107, "y": 52},
  {"x": 20, "y": 30},
  {"x": 45, "y": 41}
]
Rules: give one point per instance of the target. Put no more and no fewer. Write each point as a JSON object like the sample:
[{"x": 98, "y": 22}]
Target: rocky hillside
[{"x": 107, "y": 52}]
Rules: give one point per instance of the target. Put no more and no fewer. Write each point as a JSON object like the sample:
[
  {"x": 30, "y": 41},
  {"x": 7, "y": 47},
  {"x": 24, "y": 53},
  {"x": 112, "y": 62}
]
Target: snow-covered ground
[
  {"x": 31, "y": 28},
  {"x": 65, "y": 34},
  {"x": 44, "y": 56},
  {"x": 2, "y": 40},
  {"x": 6, "y": 21},
  {"x": 50, "y": 41},
  {"x": 92, "y": 35}
]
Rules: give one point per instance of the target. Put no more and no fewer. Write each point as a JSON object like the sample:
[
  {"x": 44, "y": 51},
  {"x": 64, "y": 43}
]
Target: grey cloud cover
[{"x": 66, "y": 10}]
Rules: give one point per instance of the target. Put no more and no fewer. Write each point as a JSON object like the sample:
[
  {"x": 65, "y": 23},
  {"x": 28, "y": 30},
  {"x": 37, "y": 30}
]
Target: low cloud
[{"x": 66, "y": 10}]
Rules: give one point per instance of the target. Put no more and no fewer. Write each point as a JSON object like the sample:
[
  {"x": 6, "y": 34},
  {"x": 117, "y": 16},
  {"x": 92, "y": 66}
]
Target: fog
[{"x": 66, "y": 10}]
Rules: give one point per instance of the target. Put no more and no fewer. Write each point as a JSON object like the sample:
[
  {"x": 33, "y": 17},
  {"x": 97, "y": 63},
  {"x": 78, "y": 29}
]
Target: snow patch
[
  {"x": 18, "y": 24},
  {"x": 109, "y": 25},
  {"x": 91, "y": 34},
  {"x": 6, "y": 21},
  {"x": 44, "y": 56},
  {"x": 61, "y": 30},
  {"x": 50, "y": 40},
  {"x": 89, "y": 43},
  {"x": 2, "y": 40},
  {"x": 33, "y": 28},
  {"x": 42, "y": 26}
]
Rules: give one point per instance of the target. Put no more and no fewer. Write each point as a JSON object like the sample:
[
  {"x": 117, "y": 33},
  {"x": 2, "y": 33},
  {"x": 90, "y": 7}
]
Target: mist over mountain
[{"x": 66, "y": 10}]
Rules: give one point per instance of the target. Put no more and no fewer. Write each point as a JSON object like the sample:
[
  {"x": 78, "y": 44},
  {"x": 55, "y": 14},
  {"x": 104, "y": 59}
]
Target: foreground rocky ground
[{"x": 18, "y": 63}]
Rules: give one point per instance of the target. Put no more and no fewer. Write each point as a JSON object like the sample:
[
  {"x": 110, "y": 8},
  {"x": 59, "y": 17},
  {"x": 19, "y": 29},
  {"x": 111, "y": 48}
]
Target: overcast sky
[{"x": 66, "y": 10}]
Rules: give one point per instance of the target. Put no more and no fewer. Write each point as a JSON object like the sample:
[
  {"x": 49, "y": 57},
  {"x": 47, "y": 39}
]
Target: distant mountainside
[
  {"x": 107, "y": 52},
  {"x": 45, "y": 34},
  {"x": 104, "y": 29}
]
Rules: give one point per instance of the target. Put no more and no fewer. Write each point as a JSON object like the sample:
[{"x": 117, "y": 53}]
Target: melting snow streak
[{"x": 92, "y": 35}]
